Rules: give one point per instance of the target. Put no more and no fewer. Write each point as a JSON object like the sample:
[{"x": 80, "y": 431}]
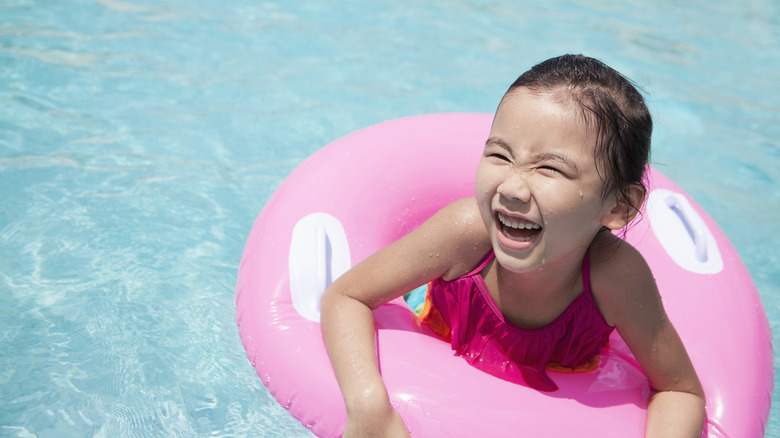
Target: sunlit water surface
[{"x": 139, "y": 140}]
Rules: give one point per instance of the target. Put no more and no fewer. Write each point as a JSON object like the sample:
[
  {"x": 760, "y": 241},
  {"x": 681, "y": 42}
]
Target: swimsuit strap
[{"x": 483, "y": 264}]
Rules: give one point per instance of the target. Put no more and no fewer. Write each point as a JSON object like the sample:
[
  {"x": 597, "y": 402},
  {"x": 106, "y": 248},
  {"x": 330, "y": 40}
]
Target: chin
[{"x": 514, "y": 263}]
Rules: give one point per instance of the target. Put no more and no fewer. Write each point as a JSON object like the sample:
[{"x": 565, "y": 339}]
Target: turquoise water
[{"x": 139, "y": 140}]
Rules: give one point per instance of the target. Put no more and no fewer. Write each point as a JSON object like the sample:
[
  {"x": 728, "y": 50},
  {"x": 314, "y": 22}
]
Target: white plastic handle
[
  {"x": 319, "y": 254},
  {"x": 682, "y": 232},
  {"x": 696, "y": 229}
]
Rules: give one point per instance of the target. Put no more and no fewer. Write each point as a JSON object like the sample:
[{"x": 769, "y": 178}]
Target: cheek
[
  {"x": 484, "y": 181},
  {"x": 485, "y": 188},
  {"x": 556, "y": 196},
  {"x": 567, "y": 203}
]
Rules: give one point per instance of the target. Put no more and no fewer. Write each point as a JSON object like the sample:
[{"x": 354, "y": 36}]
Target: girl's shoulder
[
  {"x": 620, "y": 277},
  {"x": 463, "y": 236},
  {"x": 463, "y": 213},
  {"x": 609, "y": 252}
]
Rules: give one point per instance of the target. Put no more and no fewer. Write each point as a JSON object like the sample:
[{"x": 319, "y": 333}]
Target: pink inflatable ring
[{"x": 367, "y": 189}]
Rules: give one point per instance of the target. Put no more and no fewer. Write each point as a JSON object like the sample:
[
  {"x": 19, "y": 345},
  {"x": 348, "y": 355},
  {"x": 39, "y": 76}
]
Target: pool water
[{"x": 139, "y": 139}]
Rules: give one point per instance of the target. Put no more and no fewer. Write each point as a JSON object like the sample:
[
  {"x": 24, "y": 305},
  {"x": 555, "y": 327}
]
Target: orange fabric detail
[
  {"x": 584, "y": 368},
  {"x": 431, "y": 317}
]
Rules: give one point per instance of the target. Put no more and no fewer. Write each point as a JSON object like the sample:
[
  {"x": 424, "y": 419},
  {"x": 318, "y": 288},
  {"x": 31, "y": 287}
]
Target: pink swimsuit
[{"x": 464, "y": 312}]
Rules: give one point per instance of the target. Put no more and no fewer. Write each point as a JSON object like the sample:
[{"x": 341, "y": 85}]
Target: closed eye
[
  {"x": 557, "y": 163},
  {"x": 550, "y": 169},
  {"x": 498, "y": 149},
  {"x": 501, "y": 157},
  {"x": 552, "y": 172}
]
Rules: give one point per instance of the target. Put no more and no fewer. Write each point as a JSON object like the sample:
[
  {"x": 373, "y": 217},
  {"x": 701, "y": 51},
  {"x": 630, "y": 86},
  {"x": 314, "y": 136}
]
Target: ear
[{"x": 622, "y": 211}]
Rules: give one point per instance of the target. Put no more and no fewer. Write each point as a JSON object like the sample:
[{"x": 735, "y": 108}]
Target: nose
[{"x": 515, "y": 187}]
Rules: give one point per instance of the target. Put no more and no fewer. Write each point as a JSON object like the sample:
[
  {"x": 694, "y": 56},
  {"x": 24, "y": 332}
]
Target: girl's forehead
[
  {"x": 547, "y": 113},
  {"x": 559, "y": 101}
]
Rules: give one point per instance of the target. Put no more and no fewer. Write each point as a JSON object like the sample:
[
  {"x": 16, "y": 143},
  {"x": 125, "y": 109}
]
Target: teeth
[{"x": 520, "y": 224}]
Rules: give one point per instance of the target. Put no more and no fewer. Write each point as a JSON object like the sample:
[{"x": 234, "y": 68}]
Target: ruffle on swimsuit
[{"x": 463, "y": 312}]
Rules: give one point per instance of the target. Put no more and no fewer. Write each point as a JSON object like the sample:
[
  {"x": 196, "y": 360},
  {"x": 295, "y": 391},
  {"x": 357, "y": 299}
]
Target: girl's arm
[
  {"x": 627, "y": 295},
  {"x": 448, "y": 244}
]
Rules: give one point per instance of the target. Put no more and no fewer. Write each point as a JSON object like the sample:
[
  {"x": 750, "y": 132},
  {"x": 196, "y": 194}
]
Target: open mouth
[{"x": 518, "y": 229}]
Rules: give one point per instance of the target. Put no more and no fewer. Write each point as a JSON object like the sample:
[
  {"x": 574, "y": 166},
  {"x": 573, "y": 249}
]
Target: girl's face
[{"x": 538, "y": 189}]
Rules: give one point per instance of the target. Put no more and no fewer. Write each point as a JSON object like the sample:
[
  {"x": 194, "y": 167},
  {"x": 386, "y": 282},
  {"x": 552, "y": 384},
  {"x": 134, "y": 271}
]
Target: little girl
[{"x": 526, "y": 276}]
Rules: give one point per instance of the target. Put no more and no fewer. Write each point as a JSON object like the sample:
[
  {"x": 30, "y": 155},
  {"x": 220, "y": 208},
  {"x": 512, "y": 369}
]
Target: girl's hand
[
  {"x": 435, "y": 249},
  {"x": 387, "y": 426}
]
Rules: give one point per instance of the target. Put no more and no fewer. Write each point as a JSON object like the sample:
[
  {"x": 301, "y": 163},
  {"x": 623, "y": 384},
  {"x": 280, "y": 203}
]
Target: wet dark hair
[{"x": 611, "y": 104}]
